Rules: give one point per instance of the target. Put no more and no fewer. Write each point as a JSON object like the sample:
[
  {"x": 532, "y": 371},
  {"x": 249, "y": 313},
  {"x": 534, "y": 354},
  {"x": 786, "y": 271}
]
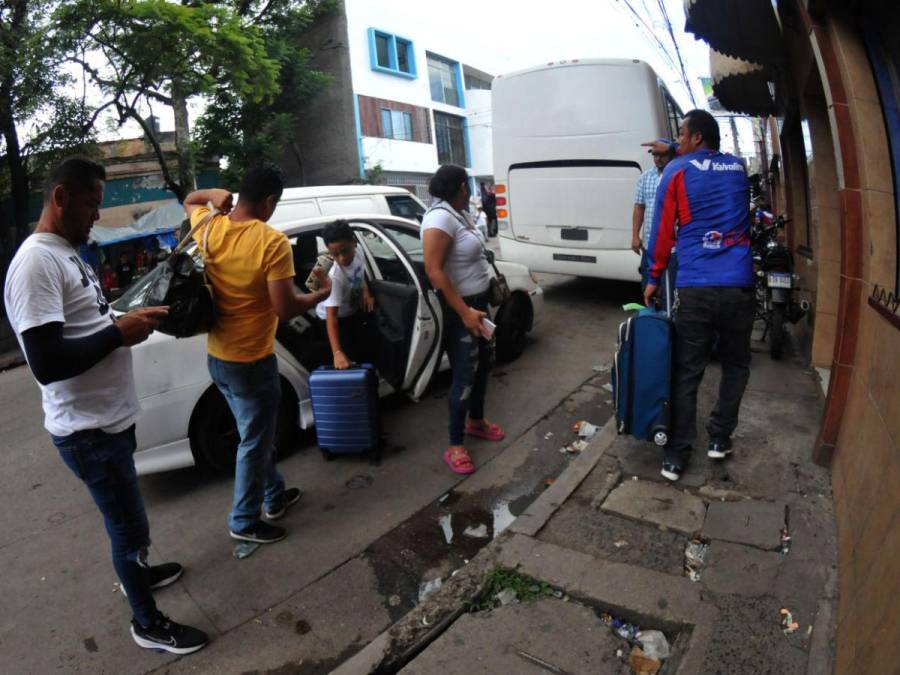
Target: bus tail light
[
  {"x": 501, "y": 201},
  {"x": 502, "y": 213},
  {"x": 499, "y": 189}
]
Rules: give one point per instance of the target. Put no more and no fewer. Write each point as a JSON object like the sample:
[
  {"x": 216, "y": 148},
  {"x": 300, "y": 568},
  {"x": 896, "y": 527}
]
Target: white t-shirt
[
  {"x": 346, "y": 287},
  {"x": 47, "y": 282},
  {"x": 466, "y": 265}
]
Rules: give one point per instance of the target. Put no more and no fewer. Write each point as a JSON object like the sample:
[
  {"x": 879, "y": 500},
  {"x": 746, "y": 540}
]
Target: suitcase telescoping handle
[{"x": 668, "y": 294}]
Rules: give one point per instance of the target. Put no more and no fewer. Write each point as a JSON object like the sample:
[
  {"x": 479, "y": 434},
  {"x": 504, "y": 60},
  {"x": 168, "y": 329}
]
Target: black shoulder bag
[{"x": 180, "y": 282}]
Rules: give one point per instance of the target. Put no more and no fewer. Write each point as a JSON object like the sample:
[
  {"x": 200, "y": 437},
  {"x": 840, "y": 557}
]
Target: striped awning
[
  {"x": 743, "y": 86},
  {"x": 742, "y": 29}
]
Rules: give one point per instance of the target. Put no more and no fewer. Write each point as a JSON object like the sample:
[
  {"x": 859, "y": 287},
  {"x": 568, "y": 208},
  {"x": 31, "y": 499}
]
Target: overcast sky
[{"x": 593, "y": 29}]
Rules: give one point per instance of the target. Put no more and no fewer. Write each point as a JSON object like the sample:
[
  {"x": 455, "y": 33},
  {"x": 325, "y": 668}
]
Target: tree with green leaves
[
  {"x": 39, "y": 119},
  {"x": 146, "y": 53},
  {"x": 247, "y": 131}
]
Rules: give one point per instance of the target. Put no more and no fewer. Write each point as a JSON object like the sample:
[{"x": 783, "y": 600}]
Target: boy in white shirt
[{"x": 349, "y": 294}]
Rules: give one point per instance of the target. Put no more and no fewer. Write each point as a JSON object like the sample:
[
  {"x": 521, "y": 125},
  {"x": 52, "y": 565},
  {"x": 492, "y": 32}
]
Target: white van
[
  {"x": 567, "y": 157},
  {"x": 337, "y": 200}
]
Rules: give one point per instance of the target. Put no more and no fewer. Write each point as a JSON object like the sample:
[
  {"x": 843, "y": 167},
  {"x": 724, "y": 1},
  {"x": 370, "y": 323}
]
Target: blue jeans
[
  {"x": 105, "y": 463},
  {"x": 253, "y": 393},
  {"x": 470, "y": 363}
]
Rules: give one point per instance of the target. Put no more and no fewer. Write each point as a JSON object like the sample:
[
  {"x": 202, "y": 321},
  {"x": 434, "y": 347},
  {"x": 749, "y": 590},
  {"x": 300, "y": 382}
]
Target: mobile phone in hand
[{"x": 488, "y": 327}]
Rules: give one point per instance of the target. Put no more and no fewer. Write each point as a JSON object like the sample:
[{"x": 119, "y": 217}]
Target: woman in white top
[{"x": 457, "y": 267}]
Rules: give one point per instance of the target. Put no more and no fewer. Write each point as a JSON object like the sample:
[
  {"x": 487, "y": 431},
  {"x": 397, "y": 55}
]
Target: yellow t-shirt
[{"x": 241, "y": 258}]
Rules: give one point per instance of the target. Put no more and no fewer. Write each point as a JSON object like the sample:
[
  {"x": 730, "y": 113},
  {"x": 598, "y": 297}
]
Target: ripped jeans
[
  {"x": 470, "y": 362},
  {"x": 105, "y": 463}
]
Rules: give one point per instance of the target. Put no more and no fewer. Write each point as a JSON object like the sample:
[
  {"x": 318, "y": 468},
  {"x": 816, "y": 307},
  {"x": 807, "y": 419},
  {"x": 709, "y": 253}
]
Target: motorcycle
[{"x": 774, "y": 266}]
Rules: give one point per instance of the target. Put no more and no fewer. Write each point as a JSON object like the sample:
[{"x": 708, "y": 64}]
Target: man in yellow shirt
[{"x": 251, "y": 268}]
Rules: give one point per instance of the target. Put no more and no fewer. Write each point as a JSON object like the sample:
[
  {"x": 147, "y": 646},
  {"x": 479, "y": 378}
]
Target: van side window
[
  {"x": 673, "y": 115},
  {"x": 405, "y": 207}
]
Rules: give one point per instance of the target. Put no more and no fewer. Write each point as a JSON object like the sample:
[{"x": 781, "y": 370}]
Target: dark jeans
[
  {"x": 470, "y": 362},
  {"x": 701, "y": 314},
  {"x": 105, "y": 463},
  {"x": 253, "y": 393}
]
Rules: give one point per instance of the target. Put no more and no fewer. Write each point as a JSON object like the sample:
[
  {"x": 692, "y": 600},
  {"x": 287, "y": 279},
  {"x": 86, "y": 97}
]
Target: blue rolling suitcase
[
  {"x": 642, "y": 375},
  {"x": 345, "y": 408}
]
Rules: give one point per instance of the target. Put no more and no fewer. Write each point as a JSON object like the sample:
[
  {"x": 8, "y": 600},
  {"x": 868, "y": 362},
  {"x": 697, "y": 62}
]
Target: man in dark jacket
[{"x": 706, "y": 194}]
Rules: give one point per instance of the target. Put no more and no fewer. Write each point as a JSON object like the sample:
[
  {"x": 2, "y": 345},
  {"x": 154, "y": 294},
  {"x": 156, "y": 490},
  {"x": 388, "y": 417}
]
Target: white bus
[{"x": 567, "y": 157}]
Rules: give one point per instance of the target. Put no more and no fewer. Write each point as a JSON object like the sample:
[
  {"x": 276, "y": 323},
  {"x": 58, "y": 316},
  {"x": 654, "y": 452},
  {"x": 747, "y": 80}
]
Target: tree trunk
[
  {"x": 19, "y": 183},
  {"x": 183, "y": 141}
]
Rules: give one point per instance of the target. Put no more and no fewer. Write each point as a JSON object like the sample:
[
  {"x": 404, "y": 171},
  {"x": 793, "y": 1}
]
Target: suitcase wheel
[{"x": 660, "y": 437}]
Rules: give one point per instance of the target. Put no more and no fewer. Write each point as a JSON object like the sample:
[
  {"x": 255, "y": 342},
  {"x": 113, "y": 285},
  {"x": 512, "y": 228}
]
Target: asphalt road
[{"x": 362, "y": 543}]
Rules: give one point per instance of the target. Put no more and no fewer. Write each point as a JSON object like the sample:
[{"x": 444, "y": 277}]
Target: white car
[{"x": 185, "y": 420}]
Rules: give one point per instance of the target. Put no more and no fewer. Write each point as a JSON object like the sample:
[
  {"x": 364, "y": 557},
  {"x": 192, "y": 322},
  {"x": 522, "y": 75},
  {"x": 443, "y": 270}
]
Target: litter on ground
[
  {"x": 641, "y": 664},
  {"x": 585, "y": 429},
  {"x": 426, "y": 588},
  {"x": 788, "y": 625},
  {"x": 244, "y": 549},
  {"x": 654, "y": 644},
  {"x": 695, "y": 559},
  {"x": 507, "y": 597}
]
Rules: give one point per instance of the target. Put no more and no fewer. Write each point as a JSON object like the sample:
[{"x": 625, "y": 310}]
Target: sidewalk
[{"x": 605, "y": 546}]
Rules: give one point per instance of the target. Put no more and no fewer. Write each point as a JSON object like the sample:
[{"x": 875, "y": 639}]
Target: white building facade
[{"x": 399, "y": 104}]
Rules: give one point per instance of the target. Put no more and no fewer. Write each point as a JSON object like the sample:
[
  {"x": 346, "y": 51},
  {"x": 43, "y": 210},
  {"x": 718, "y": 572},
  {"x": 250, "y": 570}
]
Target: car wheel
[
  {"x": 512, "y": 328},
  {"x": 214, "y": 435}
]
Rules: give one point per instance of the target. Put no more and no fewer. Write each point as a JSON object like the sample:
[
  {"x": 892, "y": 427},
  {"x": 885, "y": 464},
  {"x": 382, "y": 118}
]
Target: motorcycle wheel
[{"x": 776, "y": 331}]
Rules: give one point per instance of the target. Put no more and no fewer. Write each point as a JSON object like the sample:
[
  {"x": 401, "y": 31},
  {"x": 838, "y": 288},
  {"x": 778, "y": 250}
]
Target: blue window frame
[
  {"x": 396, "y": 124},
  {"x": 445, "y": 79},
  {"x": 392, "y": 54}
]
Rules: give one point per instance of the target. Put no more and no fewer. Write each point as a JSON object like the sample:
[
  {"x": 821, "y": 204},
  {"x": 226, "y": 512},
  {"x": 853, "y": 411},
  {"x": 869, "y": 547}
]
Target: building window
[
  {"x": 443, "y": 76},
  {"x": 396, "y": 124},
  {"x": 475, "y": 82},
  {"x": 391, "y": 54},
  {"x": 451, "y": 140}
]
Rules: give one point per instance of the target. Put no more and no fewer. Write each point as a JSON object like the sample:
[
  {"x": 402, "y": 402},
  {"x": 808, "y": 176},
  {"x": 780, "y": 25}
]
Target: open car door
[{"x": 407, "y": 314}]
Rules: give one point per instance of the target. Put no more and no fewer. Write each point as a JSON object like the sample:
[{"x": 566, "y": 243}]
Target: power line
[
  {"x": 665, "y": 15},
  {"x": 677, "y": 67}
]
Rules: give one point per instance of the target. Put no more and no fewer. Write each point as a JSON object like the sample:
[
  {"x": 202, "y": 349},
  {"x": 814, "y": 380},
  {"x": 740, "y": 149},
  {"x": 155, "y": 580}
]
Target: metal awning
[
  {"x": 743, "y": 86},
  {"x": 743, "y": 29}
]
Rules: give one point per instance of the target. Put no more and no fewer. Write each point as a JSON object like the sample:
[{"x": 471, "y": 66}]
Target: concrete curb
[{"x": 533, "y": 519}]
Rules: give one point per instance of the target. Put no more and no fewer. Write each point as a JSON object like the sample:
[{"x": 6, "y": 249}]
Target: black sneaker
[
  {"x": 260, "y": 533},
  {"x": 718, "y": 448},
  {"x": 168, "y": 635},
  {"x": 291, "y": 497},
  {"x": 160, "y": 576},
  {"x": 673, "y": 465}
]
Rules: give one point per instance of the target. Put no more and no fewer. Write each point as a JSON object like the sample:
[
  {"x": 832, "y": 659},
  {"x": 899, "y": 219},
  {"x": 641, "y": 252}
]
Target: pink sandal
[
  {"x": 492, "y": 433},
  {"x": 459, "y": 462}
]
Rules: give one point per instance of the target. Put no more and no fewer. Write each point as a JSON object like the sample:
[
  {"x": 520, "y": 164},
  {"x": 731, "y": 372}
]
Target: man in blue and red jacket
[{"x": 702, "y": 202}]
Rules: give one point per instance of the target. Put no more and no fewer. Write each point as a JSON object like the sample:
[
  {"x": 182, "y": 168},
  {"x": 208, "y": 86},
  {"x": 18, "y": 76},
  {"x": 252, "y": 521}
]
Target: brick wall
[{"x": 370, "y": 118}]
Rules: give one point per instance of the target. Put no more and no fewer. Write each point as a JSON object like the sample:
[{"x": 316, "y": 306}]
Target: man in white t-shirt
[
  {"x": 349, "y": 295},
  {"x": 79, "y": 354}
]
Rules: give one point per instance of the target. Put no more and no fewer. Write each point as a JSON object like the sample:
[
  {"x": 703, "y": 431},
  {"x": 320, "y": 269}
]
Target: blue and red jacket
[{"x": 705, "y": 194}]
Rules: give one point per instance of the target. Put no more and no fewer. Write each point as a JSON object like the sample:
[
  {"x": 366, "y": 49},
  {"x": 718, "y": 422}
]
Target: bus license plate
[
  {"x": 574, "y": 234},
  {"x": 778, "y": 280}
]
